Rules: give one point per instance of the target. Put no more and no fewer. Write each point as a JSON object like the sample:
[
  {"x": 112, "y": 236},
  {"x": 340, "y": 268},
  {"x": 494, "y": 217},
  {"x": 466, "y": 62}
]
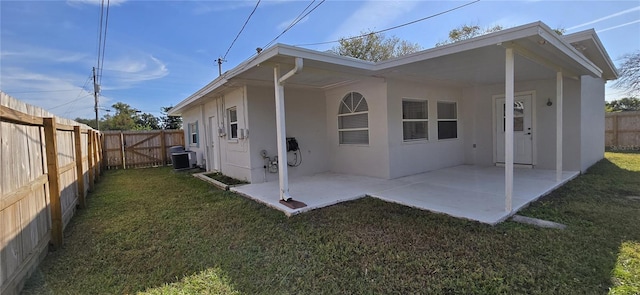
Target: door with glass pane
[{"x": 522, "y": 130}]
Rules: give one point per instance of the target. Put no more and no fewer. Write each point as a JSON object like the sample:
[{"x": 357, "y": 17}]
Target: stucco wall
[
  {"x": 478, "y": 109},
  {"x": 194, "y": 115},
  {"x": 592, "y": 121},
  {"x": 305, "y": 120},
  {"x": 406, "y": 158},
  {"x": 369, "y": 160}
]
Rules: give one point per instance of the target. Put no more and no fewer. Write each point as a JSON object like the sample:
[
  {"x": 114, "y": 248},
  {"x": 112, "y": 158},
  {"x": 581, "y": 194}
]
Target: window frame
[
  {"x": 426, "y": 119},
  {"x": 455, "y": 103},
  {"x": 230, "y": 123},
  {"x": 194, "y": 136},
  {"x": 352, "y": 113}
]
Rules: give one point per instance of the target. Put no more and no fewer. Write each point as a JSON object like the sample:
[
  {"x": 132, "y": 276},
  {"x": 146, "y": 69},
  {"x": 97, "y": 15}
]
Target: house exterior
[{"x": 433, "y": 109}]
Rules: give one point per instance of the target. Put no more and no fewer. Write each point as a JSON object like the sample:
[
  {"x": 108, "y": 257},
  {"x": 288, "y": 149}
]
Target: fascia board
[
  {"x": 557, "y": 41},
  {"x": 591, "y": 34},
  {"x": 470, "y": 44}
]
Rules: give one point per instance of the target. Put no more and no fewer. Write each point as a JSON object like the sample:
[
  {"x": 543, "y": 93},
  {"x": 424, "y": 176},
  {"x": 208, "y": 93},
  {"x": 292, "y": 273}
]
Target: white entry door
[
  {"x": 212, "y": 148},
  {"x": 522, "y": 130}
]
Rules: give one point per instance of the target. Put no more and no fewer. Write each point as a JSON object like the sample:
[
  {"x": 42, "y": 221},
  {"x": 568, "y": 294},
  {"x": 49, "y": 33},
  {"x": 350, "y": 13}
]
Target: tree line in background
[{"x": 128, "y": 118}]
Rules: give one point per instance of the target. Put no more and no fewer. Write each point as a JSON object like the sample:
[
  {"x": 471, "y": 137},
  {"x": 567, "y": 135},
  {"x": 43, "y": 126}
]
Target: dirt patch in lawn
[{"x": 225, "y": 179}]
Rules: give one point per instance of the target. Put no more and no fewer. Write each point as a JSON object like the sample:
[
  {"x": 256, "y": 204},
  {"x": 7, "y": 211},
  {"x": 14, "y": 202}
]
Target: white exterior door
[{"x": 522, "y": 130}]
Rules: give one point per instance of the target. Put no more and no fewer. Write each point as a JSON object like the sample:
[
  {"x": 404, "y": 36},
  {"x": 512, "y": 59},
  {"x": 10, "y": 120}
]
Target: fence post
[
  {"x": 53, "y": 177},
  {"x": 79, "y": 169},
  {"x": 615, "y": 129},
  {"x": 91, "y": 159},
  {"x": 122, "y": 149},
  {"x": 163, "y": 148},
  {"x": 96, "y": 150}
]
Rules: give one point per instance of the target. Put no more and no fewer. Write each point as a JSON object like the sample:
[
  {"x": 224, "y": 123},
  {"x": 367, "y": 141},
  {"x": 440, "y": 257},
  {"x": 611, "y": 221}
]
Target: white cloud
[
  {"x": 58, "y": 92},
  {"x": 619, "y": 26},
  {"x": 283, "y": 25},
  {"x": 29, "y": 53},
  {"x": 373, "y": 15},
  {"x": 131, "y": 70},
  {"x": 604, "y": 18}
]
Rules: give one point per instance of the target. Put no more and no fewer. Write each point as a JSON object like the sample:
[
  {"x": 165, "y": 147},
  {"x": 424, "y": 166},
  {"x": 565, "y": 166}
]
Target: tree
[
  {"x": 465, "y": 32},
  {"x": 170, "y": 122},
  {"x": 374, "y": 47},
  {"x": 629, "y": 79},
  {"x": 124, "y": 118},
  {"x": 623, "y": 105},
  {"x": 146, "y": 121}
]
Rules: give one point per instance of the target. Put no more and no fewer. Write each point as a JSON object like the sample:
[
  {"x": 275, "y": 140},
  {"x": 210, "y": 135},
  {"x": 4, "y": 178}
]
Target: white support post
[
  {"x": 559, "y": 126},
  {"x": 281, "y": 133},
  {"x": 508, "y": 138}
]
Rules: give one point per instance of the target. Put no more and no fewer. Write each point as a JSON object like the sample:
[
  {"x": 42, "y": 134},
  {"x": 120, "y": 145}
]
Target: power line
[
  {"x": 297, "y": 20},
  {"x": 104, "y": 41},
  {"x": 78, "y": 97},
  {"x": 242, "y": 29},
  {"x": 394, "y": 27}
]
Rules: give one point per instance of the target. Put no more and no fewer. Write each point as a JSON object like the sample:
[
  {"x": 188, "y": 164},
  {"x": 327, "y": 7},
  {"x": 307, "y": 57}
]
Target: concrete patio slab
[{"x": 470, "y": 192}]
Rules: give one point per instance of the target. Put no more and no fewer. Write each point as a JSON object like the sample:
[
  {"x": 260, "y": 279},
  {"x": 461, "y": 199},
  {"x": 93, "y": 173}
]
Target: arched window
[{"x": 353, "y": 119}]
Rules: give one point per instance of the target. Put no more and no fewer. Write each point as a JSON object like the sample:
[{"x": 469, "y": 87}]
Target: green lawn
[{"x": 155, "y": 231}]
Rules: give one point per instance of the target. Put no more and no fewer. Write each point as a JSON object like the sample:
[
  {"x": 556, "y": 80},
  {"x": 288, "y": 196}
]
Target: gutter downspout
[{"x": 283, "y": 173}]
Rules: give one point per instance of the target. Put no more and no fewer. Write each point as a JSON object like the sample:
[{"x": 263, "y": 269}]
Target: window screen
[
  {"x": 233, "y": 123},
  {"x": 353, "y": 119},
  {"x": 447, "y": 120},
  {"x": 415, "y": 124}
]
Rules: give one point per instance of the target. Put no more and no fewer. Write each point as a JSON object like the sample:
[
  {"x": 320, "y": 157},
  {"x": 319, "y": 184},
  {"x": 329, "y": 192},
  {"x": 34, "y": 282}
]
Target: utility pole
[
  {"x": 219, "y": 66},
  {"x": 96, "y": 90}
]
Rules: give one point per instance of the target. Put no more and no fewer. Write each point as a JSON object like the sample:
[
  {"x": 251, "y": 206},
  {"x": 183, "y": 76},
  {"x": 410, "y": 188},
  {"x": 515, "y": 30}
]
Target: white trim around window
[
  {"x": 447, "y": 120},
  {"x": 192, "y": 130},
  {"x": 232, "y": 115},
  {"x": 353, "y": 120},
  {"x": 415, "y": 119}
]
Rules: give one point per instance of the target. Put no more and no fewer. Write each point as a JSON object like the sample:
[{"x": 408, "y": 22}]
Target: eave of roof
[{"x": 562, "y": 43}]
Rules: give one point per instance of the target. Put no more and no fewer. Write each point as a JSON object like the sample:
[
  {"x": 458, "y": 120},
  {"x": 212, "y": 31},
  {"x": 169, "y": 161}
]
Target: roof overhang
[
  {"x": 541, "y": 53},
  {"x": 588, "y": 44}
]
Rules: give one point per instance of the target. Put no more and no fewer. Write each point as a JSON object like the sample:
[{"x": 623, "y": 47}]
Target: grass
[{"x": 154, "y": 231}]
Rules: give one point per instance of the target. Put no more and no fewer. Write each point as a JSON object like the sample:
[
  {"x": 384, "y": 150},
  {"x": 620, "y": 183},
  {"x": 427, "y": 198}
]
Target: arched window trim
[{"x": 352, "y": 128}]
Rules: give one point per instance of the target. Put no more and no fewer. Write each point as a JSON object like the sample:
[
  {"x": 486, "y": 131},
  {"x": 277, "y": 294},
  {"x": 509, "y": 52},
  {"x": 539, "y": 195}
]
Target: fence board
[
  {"x": 137, "y": 149},
  {"x": 622, "y": 130},
  {"x": 28, "y": 170}
]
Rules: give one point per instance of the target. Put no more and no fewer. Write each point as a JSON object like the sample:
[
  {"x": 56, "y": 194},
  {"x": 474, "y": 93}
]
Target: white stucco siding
[
  {"x": 411, "y": 157},
  {"x": 194, "y": 116},
  {"x": 305, "y": 112},
  {"x": 592, "y": 121},
  {"x": 369, "y": 160},
  {"x": 571, "y": 120},
  {"x": 234, "y": 160},
  {"x": 478, "y": 108}
]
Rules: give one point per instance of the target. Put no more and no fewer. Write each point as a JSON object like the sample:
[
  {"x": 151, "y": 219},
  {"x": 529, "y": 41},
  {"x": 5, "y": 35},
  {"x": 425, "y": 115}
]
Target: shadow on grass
[{"x": 148, "y": 228}]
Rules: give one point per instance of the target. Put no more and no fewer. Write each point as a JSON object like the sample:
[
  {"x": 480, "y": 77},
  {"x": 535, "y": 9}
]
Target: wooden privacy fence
[
  {"x": 622, "y": 130},
  {"x": 47, "y": 166},
  {"x": 136, "y": 149}
]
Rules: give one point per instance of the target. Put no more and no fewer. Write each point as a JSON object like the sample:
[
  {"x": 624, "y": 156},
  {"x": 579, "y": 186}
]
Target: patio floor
[{"x": 470, "y": 192}]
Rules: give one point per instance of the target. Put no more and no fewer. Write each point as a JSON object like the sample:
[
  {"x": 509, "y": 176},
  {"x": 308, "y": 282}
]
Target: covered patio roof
[{"x": 479, "y": 61}]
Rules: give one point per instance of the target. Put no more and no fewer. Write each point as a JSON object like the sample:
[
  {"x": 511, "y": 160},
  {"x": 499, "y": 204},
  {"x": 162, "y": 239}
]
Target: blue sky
[{"x": 159, "y": 52}]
